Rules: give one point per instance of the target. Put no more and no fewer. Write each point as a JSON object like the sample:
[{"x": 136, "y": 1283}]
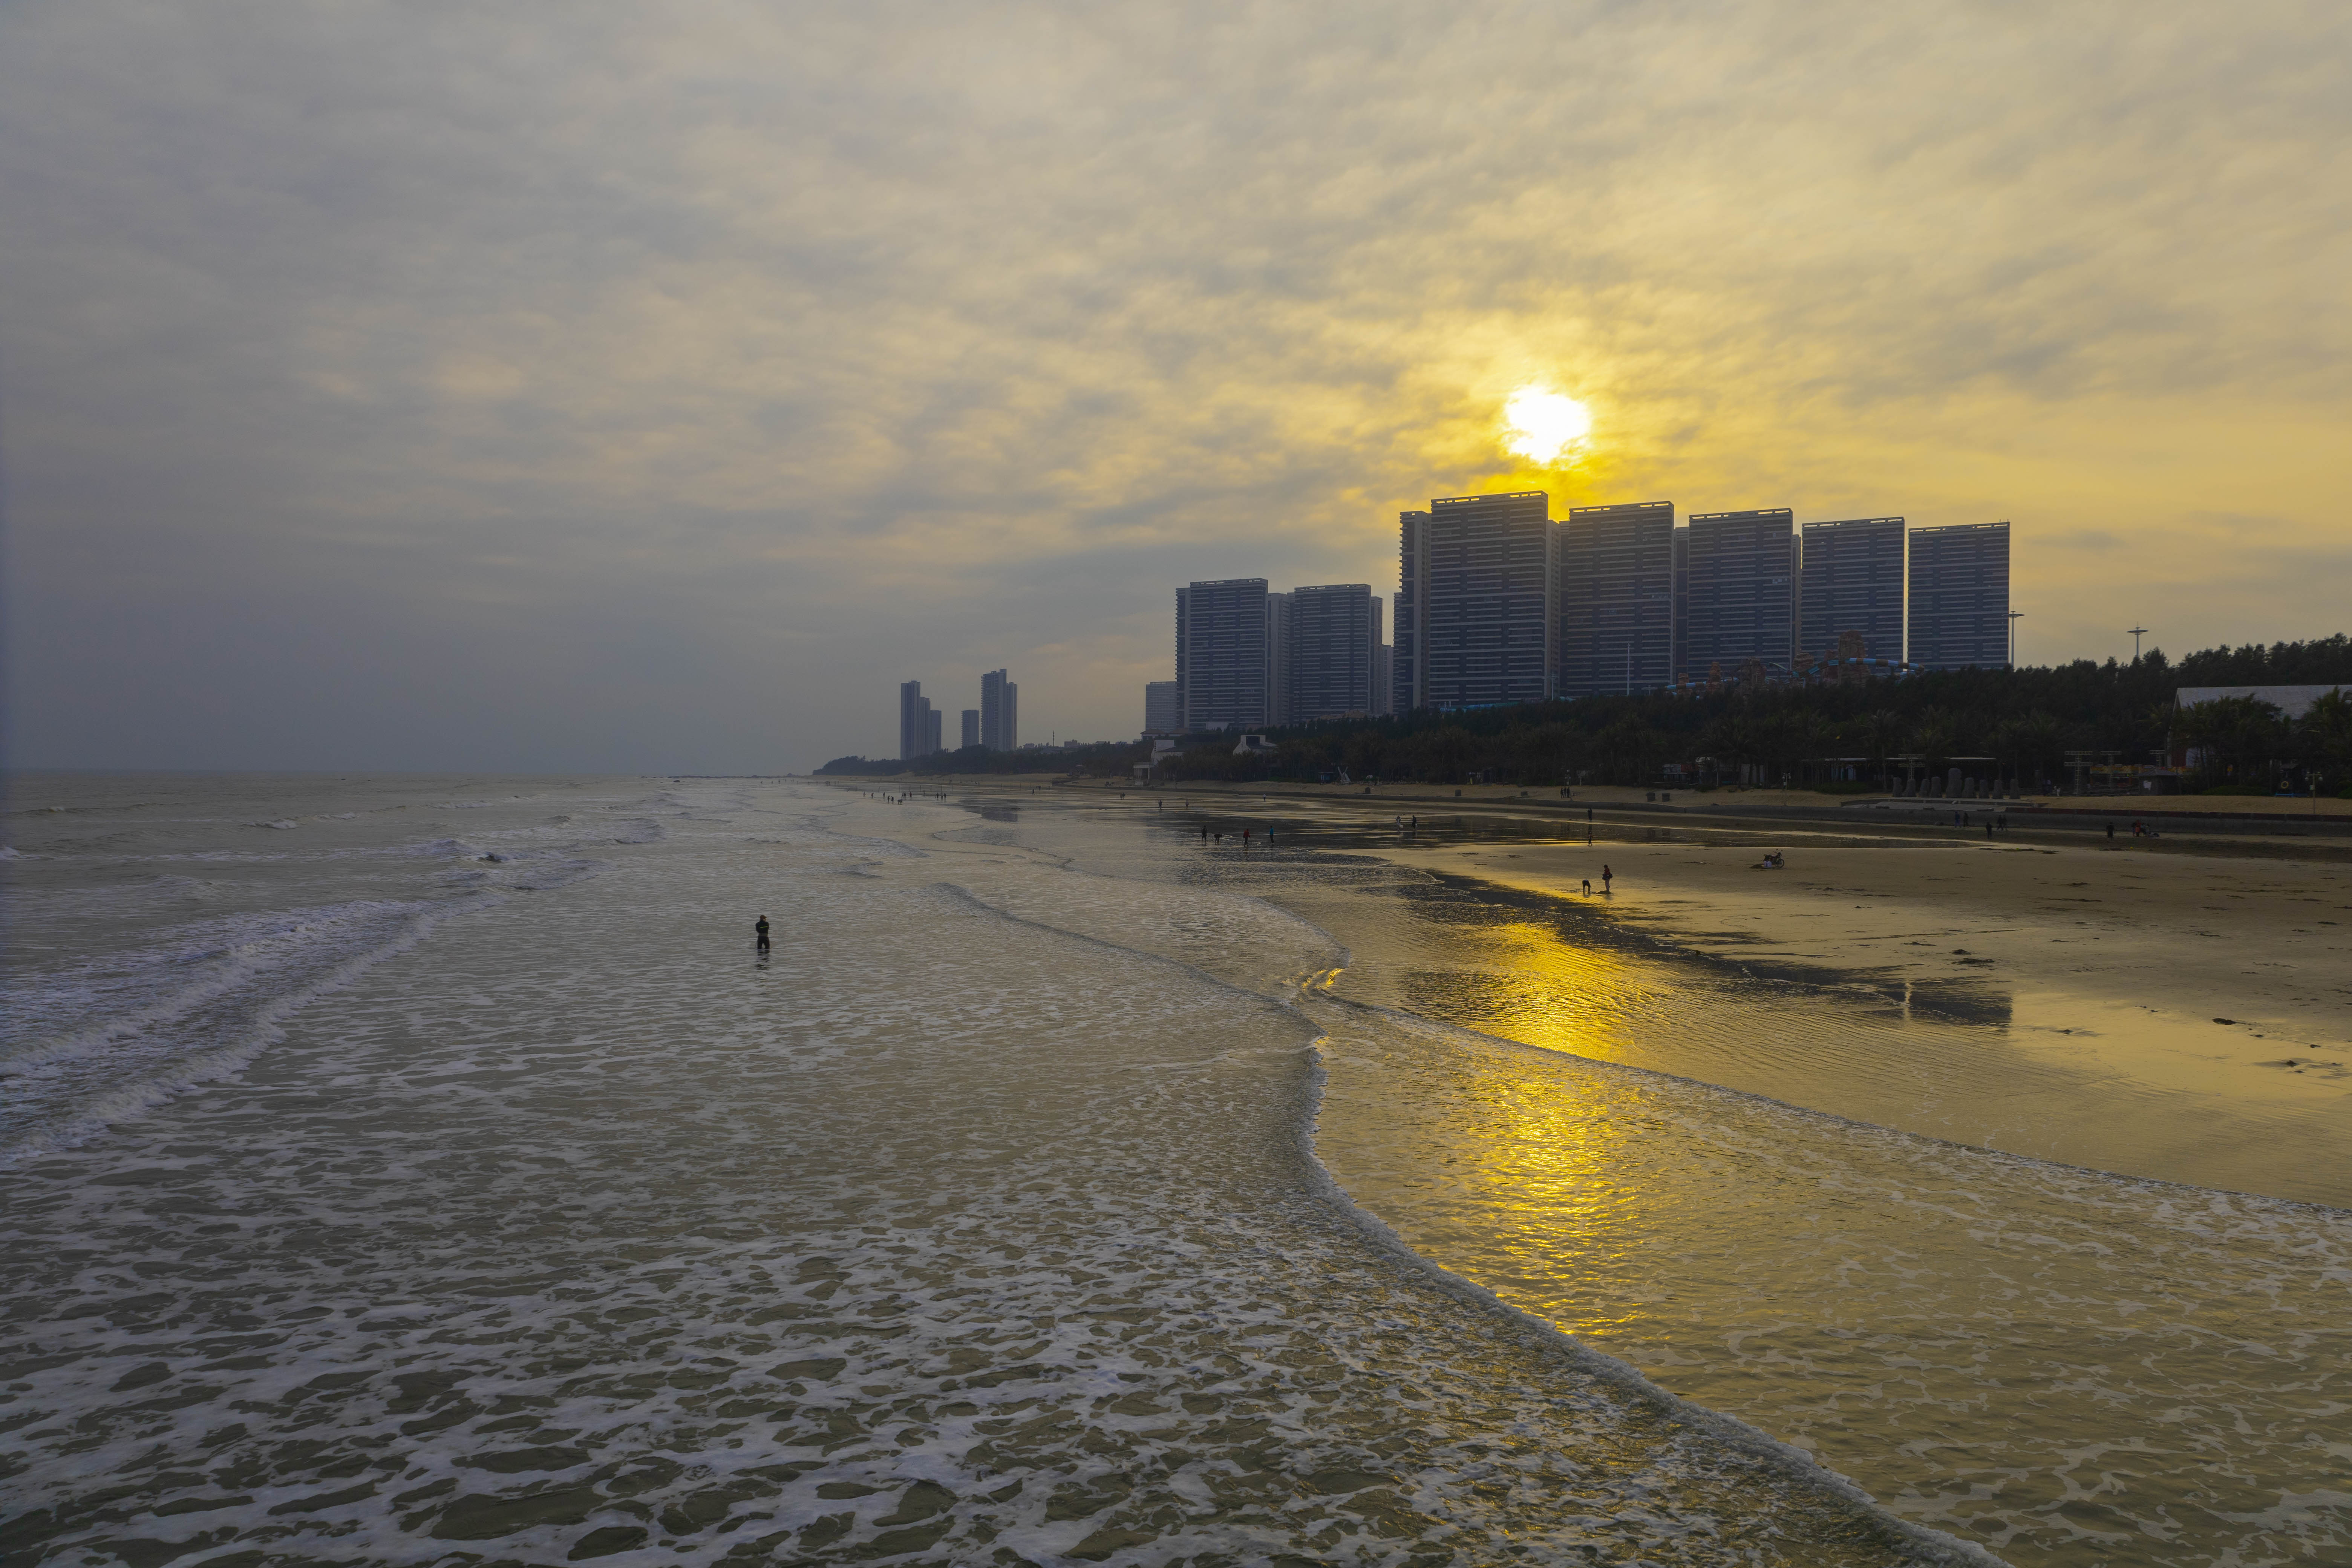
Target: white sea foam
[
  {"x": 144, "y": 1027},
  {"x": 946, "y": 1234}
]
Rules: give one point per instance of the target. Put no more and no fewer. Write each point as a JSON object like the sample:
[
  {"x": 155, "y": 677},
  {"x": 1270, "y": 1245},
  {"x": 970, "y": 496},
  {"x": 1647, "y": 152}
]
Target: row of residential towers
[
  {"x": 1247, "y": 656},
  {"x": 996, "y": 723},
  {"x": 1496, "y": 602}
]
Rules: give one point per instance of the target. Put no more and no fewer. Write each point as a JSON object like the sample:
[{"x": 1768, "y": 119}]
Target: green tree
[{"x": 2325, "y": 733}]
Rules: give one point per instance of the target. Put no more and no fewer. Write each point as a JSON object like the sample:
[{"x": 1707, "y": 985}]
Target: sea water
[
  {"x": 2072, "y": 1366},
  {"x": 430, "y": 1170}
]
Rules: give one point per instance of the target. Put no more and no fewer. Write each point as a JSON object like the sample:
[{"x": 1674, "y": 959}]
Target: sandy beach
[
  {"x": 2181, "y": 942},
  {"x": 2127, "y": 952}
]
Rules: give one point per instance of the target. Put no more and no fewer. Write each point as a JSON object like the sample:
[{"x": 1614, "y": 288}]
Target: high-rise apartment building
[
  {"x": 1278, "y": 652},
  {"x": 918, "y": 726},
  {"x": 1163, "y": 707},
  {"x": 1959, "y": 596},
  {"x": 1483, "y": 577},
  {"x": 1738, "y": 591},
  {"x": 971, "y": 727},
  {"x": 1404, "y": 654},
  {"x": 1333, "y": 651},
  {"x": 1616, "y": 599},
  {"x": 1852, "y": 581},
  {"x": 1223, "y": 654},
  {"x": 1000, "y": 712}
]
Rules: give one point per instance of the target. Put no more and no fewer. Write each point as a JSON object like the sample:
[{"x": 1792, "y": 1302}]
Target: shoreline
[{"x": 2208, "y": 965}]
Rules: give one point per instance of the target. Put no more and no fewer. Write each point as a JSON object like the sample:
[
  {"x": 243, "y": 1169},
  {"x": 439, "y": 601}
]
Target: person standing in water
[
  {"x": 760, "y": 931},
  {"x": 1605, "y": 874}
]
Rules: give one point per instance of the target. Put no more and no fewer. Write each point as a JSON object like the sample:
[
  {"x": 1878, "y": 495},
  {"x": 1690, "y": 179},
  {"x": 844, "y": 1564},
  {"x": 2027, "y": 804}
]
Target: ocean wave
[{"x": 90, "y": 1043}]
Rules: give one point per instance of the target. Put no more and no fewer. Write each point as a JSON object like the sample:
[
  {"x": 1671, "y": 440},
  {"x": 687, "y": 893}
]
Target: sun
[{"x": 1542, "y": 425}]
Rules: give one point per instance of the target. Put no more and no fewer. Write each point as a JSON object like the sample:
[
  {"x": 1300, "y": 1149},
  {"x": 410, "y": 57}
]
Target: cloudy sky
[{"x": 639, "y": 387}]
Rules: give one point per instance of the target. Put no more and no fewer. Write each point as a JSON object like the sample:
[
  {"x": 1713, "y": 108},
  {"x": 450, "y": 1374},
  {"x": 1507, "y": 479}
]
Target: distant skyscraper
[
  {"x": 1853, "y": 581},
  {"x": 1405, "y": 692},
  {"x": 1616, "y": 598},
  {"x": 1222, "y": 659},
  {"x": 1335, "y": 633},
  {"x": 1739, "y": 596},
  {"x": 1959, "y": 596},
  {"x": 971, "y": 727},
  {"x": 1163, "y": 707},
  {"x": 1278, "y": 651},
  {"x": 918, "y": 727},
  {"x": 1000, "y": 712},
  {"x": 1484, "y": 578},
  {"x": 1680, "y": 599},
  {"x": 932, "y": 717}
]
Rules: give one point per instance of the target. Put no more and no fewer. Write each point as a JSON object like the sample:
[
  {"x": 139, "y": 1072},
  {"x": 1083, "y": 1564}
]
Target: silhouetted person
[
  {"x": 761, "y": 930},
  {"x": 1606, "y": 875}
]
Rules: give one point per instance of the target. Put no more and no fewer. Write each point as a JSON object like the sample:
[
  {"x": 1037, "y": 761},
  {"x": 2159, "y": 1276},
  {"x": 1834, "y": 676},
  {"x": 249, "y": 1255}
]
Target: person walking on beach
[
  {"x": 1606, "y": 875},
  {"x": 761, "y": 932}
]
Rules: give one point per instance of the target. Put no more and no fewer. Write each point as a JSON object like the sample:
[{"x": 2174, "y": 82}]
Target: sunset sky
[{"x": 654, "y": 388}]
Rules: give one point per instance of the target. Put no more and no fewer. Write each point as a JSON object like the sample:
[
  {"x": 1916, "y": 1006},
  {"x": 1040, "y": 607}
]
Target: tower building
[
  {"x": 1738, "y": 591},
  {"x": 1484, "y": 593},
  {"x": 918, "y": 726},
  {"x": 1853, "y": 581},
  {"x": 1000, "y": 712},
  {"x": 1164, "y": 712},
  {"x": 1222, "y": 663},
  {"x": 1334, "y": 636},
  {"x": 1405, "y": 687},
  {"x": 1616, "y": 599},
  {"x": 1959, "y": 596}
]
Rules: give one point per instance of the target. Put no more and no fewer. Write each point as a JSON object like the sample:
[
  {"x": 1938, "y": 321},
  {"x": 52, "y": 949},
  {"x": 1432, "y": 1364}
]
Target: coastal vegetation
[{"x": 2021, "y": 724}]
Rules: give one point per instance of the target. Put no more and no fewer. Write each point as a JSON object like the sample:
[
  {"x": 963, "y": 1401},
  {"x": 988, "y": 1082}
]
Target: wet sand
[{"x": 2181, "y": 942}]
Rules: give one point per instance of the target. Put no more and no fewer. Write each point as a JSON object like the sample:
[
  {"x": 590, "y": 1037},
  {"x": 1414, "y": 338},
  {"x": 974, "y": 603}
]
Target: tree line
[
  {"x": 2016, "y": 725},
  {"x": 2012, "y": 724}
]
